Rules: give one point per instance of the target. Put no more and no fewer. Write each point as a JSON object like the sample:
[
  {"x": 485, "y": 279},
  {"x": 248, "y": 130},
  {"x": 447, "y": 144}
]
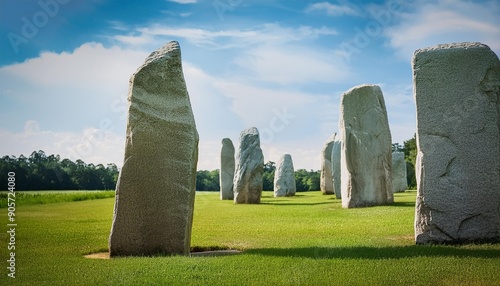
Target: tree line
[{"x": 42, "y": 172}]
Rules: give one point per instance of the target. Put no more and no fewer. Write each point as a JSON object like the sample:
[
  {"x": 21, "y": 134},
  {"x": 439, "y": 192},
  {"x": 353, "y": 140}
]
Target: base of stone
[
  {"x": 458, "y": 242},
  {"x": 196, "y": 252},
  {"x": 97, "y": 255}
]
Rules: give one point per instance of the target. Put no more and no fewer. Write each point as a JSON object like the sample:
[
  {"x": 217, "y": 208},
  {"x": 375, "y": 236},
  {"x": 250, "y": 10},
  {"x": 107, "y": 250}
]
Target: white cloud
[
  {"x": 70, "y": 90},
  {"x": 332, "y": 9},
  {"x": 92, "y": 145},
  {"x": 293, "y": 65},
  {"x": 444, "y": 21},
  {"x": 211, "y": 107},
  {"x": 303, "y": 157},
  {"x": 400, "y": 111},
  {"x": 91, "y": 64}
]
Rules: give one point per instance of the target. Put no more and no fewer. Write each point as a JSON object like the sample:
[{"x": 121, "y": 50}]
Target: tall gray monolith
[
  {"x": 366, "y": 149},
  {"x": 284, "y": 177},
  {"x": 326, "y": 179},
  {"x": 336, "y": 169},
  {"x": 227, "y": 166},
  {"x": 399, "y": 180},
  {"x": 249, "y": 168},
  {"x": 156, "y": 187},
  {"x": 457, "y": 94}
]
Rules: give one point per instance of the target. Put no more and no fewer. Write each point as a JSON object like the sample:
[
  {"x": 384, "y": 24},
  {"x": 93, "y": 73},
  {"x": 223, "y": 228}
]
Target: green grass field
[{"x": 304, "y": 240}]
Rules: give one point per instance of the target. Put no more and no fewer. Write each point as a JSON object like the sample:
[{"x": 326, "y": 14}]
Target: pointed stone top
[
  {"x": 170, "y": 49},
  {"x": 250, "y": 131},
  {"x": 250, "y": 136}
]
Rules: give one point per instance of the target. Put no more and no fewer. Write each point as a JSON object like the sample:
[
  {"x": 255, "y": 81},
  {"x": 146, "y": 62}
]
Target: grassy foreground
[
  {"x": 50, "y": 197},
  {"x": 304, "y": 240}
]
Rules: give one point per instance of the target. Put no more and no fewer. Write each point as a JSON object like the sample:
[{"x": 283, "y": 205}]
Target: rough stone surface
[
  {"x": 156, "y": 187},
  {"x": 366, "y": 149},
  {"x": 326, "y": 180},
  {"x": 457, "y": 94},
  {"x": 284, "y": 177},
  {"x": 249, "y": 168},
  {"x": 336, "y": 169},
  {"x": 227, "y": 166},
  {"x": 399, "y": 180}
]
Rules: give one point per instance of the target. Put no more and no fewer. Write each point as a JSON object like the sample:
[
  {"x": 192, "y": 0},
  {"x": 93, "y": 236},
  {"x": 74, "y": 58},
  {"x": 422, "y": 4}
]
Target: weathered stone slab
[
  {"x": 227, "y": 166},
  {"x": 336, "y": 169},
  {"x": 366, "y": 149},
  {"x": 399, "y": 180},
  {"x": 284, "y": 177},
  {"x": 457, "y": 94},
  {"x": 249, "y": 168},
  {"x": 326, "y": 179},
  {"x": 156, "y": 188}
]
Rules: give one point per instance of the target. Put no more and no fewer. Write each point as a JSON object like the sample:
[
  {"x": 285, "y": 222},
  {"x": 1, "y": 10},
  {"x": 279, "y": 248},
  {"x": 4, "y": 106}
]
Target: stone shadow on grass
[
  {"x": 403, "y": 204},
  {"x": 286, "y": 203},
  {"x": 390, "y": 252}
]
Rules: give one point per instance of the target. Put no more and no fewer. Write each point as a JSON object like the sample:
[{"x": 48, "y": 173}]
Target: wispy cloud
[
  {"x": 435, "y": 22},
  {"x": 183, "y": 1},
  {"x": 229, "y": 38},
  {"x": 118, "y": 25},
  {"x": 332, "y": 9}
]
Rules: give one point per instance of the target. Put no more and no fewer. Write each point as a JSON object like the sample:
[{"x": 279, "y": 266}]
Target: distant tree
[
  {"x": 410, "y": 150},
  {"x": 268, "y": 176},
  {"x": 410, "y": 176},
  {"x": 207, "y": 180},
  {"x": 313, "y": 182},
  {"x": 307, "y": 180}
]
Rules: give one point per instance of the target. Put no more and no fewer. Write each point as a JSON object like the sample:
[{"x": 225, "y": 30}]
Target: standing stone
[
  {"x": 284, "y": 177},
  {"x": 457, "y": 94},
  {"x": 399, "y": 181},
  {"x": 249, "y": 168},
  {"x": 226, "y": 169},
  {"x": 326, "y": 180},
  {"x": 336, "y": 169},
  {"x": 155, "y": 192},
  {"x": 366, "y": 149}
]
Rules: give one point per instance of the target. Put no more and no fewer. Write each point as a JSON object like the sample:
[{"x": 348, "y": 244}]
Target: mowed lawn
[{"x": 304, "y": 240}]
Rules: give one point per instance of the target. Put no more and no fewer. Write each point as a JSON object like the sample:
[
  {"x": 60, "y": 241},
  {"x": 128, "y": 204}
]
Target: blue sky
[{"x": 278, "y": 65}]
